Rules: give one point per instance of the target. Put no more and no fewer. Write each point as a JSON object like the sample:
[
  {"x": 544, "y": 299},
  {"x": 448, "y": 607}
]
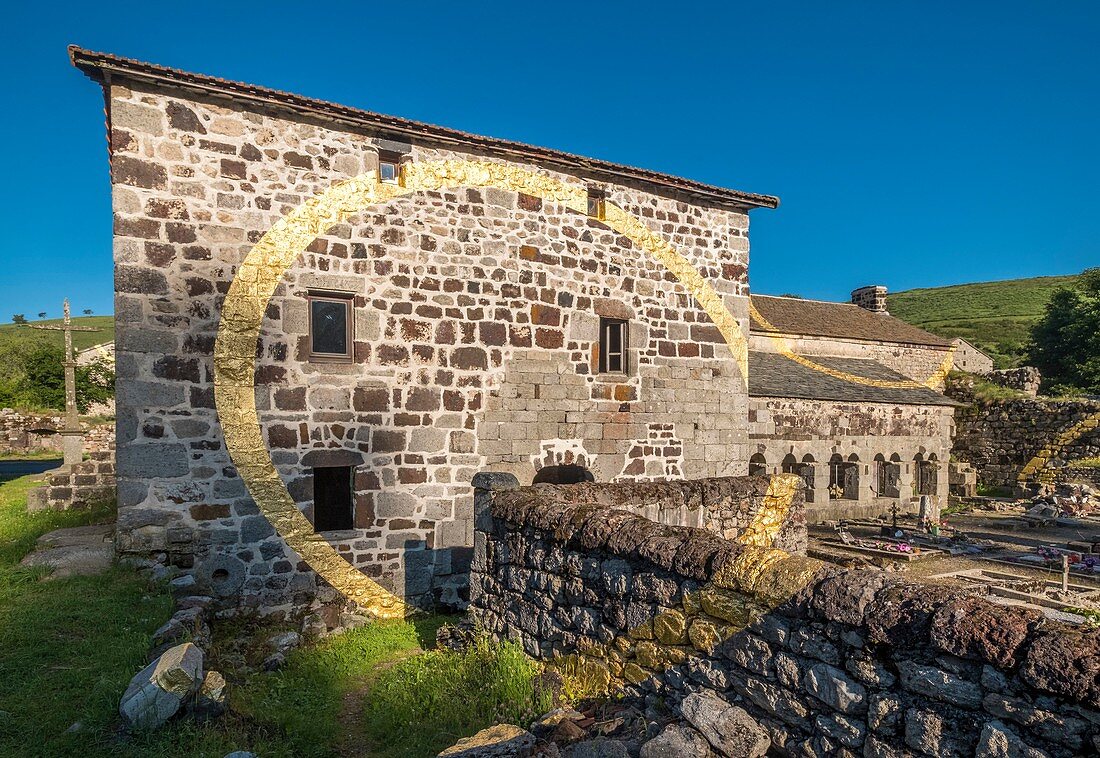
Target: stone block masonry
[
  {"x": 475, "y": 341},
  {"x": 1000, "y": 437},
  {"x": 832, "y": 662},
  {"x": 80, "y": 485},
  {"x": 23, "y": 431}
]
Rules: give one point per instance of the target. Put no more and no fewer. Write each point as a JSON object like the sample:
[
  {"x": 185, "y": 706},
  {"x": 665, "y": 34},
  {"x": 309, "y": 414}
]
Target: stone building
[
  {"x": 970, "y": 359},
  {"x": 864, "y": 433},
  {"x": 494, "y": 306}
]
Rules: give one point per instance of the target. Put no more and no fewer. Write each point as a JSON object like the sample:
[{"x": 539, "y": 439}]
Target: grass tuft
[{"x": 424, "y": 704}]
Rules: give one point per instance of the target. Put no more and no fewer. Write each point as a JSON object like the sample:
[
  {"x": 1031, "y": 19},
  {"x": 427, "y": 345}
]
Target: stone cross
[{"x": 73, "y": 434}]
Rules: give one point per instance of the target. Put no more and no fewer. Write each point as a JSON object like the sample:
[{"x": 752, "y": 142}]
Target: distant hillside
[
  {"x": 16, "y": 333},
  {"x": 994, "y": 316}
]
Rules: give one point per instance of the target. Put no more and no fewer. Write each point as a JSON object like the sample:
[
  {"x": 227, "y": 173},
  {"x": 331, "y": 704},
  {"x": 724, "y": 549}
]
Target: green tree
[
  {"x": 19, "y": 318},
  {"x": 34, "y": 378},
  {"x": 1065, "y": 342}
]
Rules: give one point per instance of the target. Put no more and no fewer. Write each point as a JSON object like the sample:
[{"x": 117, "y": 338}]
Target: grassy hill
[
  {"x": 16, "y": 333},
  {"x": 994, "y": 316}
]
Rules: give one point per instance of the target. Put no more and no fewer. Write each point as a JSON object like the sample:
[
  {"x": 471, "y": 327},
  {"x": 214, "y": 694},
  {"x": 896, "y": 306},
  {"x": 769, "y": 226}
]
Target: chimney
[{"x": 872, "y": 297}]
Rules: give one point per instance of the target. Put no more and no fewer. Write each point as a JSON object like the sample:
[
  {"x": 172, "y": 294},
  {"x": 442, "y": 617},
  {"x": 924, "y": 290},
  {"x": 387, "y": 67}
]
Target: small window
[
  {"x": 332, "y": 508},
  {"x": 389, "y": 168},
  {"x": 612, "y": 346},
  {"x": 597, "y": 203},
  {"x": 330, "y": 330}
]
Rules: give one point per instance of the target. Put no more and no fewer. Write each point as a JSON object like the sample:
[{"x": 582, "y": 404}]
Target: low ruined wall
[
  {"x": 726, "y": 506},
  {"x": 81, "y": 485},
  {"x": 21, "y": 432},
  {"x": 1024, "y": 379},
  {"x": 1000, "y": 437},
  {"x": 831, "y": 662}
]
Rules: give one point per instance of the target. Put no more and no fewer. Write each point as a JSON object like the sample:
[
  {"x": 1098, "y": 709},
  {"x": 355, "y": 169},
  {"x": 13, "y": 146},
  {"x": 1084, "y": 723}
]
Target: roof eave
[{"x": 100, "y": 66}]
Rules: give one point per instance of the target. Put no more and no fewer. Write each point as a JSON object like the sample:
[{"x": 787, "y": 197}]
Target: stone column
[
  {"x": 867, "y": 483},
  {"x": 485, "y": 484},
  {"x": 905, "y": 486},
  {"x": 821, "y": 484}
]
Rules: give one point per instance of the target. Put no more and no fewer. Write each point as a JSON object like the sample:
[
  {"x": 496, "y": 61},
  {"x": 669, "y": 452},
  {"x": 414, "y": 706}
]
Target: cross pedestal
[{"x": 72, "y": 434}]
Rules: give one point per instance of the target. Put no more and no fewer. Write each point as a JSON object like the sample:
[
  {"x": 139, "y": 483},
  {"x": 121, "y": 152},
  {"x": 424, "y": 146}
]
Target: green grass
[
  {"x": 69, "y": 646},
  {"x": 81, "y": 340},
  {"x": 996, "y": 317},
  {"x": 424, "y": 704}
]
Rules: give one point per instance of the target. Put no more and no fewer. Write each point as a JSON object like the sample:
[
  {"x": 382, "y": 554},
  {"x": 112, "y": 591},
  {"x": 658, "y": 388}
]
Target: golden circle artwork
[
  {"x": 266, "y": 263},
  {"x": 263, "y": 268}
]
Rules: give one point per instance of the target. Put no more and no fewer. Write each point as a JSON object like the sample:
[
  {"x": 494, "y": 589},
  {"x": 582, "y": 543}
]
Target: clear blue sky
[{"x": 912, "y": 143}]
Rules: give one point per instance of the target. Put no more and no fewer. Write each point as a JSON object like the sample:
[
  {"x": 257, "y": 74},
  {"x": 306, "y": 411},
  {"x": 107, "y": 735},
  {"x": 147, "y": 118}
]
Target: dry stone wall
[
  {"x": 1000, "y": 437},
  {"x": 23, "y": 431},
  {"x": 476, "y": 316},
  {"x": 832, "y": 662}
]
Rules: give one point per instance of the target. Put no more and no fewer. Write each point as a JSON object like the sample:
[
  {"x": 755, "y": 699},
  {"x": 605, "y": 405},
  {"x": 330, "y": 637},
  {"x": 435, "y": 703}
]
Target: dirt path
[{"x": 352, "y": 743}]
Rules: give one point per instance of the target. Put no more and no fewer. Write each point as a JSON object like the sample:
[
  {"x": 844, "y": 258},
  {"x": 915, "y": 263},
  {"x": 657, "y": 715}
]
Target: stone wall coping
[
  {"x": 103, "y": 66},
  {"x": 1051, "y": 656}
]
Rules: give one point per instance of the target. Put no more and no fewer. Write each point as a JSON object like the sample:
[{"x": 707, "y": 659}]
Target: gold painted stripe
[{"x": 934, "y": 381}]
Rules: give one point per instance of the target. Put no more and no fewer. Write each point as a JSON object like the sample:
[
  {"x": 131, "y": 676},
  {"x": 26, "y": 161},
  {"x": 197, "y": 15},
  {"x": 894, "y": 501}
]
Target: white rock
[{"x": 160, "y": 689}]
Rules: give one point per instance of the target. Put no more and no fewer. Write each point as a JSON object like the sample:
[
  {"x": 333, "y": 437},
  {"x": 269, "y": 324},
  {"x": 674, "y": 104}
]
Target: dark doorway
[
  {"x": 332, "y": 488},
  {"x": 567, "y": 473}
]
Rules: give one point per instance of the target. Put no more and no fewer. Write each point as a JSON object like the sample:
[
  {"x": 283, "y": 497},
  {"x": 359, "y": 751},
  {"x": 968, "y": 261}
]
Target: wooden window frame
[
  {"x": 349, "y": 326},
  {"x": 605, "y": 341},
  {"x": 387, "y": 156},
  {"x": 597, "y": 203}
]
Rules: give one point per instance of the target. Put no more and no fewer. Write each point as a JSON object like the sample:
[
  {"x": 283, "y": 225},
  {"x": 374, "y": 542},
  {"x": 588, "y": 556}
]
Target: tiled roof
[
  {"x": 790, "y": 315},
  {"x": 97, "y": 64},
  {"x": 773, "y": 375}
]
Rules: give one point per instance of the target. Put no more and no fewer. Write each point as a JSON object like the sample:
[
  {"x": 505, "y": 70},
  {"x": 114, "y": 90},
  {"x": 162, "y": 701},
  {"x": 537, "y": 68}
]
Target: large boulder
[
  {"x": 500, "y": 741},
  {"x": 728, "y": 728},
  {"x": 676, "y": 741},
  {"x": 160, "y": 689}
]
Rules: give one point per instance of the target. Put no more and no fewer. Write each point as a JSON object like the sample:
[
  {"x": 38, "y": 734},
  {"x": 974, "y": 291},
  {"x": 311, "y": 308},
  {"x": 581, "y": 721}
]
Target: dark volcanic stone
[
  {"x": 696, "y": 554},
  {"x": 901, "y": 614},
  {"x": 973, "y": 628},
  {"x": 1066, "y": 662},
  {"x": 845, "y": 597}
]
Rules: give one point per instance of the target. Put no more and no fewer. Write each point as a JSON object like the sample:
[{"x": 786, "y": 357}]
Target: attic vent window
[
  {"x": 389, "y": 168},
  {"x": 597, "y": 203}
]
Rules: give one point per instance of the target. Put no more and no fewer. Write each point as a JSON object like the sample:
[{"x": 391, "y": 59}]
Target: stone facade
[
  {"x": 970, "y": 359},
  {"x": 792, "y": 435},
  {"x": 476, "y": 315},
  {"x": 831, "y": 662}
]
